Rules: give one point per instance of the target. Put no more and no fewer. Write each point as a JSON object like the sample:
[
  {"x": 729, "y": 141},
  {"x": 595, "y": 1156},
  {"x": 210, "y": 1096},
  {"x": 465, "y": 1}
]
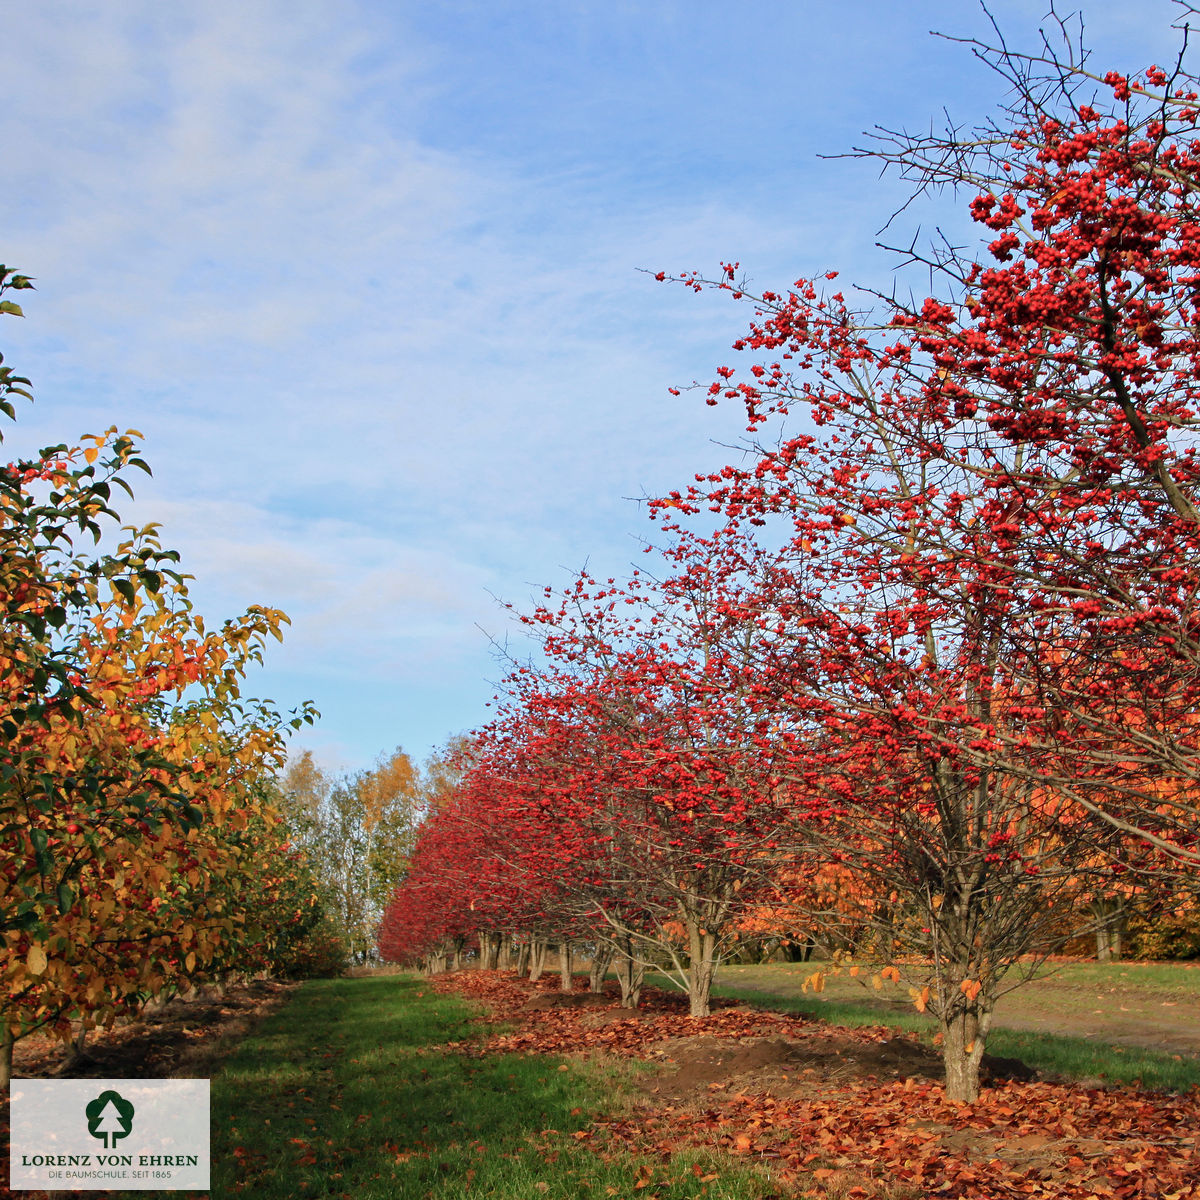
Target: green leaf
[
  {"x": 28, "y": 921},
  {"x": 7, "y": 306},
  {"x": 41, "y": 851},
  {"x": 126, "y": 589}
]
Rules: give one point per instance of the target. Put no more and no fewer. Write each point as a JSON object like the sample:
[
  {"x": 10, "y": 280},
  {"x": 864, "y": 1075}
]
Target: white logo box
[{"x": 109, "y": 1134}]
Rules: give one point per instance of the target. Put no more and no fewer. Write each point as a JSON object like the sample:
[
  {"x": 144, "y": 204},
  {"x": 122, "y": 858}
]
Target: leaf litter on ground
[{"x": 847, "y": 1112}]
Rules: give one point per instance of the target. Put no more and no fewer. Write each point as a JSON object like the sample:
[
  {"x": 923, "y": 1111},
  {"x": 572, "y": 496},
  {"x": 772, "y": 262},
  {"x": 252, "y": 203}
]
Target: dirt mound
[
  {"x": 546, "y": 1000},
  {"x": 612, "y": 1015},
  {"x": 699, "y": 1064},
  {"x": 995, "y": 1068},
  {"x": 702, "y": 1064}
]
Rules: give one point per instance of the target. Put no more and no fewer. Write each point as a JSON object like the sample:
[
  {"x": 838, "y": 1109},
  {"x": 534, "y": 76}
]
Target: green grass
[
  {"x": 1168, "y": 979},
  {"x": 350, "y": 1091},
  {"x": 1059, "y": 1056}
]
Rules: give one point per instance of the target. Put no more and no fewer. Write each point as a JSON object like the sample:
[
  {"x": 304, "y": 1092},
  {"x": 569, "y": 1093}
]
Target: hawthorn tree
[
  {"x": 1069, "y": 354},
  {"x": 977, "y": 589}
]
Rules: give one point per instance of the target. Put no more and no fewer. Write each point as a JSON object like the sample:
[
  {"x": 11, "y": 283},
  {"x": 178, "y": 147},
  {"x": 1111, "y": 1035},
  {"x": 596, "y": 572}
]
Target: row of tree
[
  {"x": 141, "y": 850},
  {"x": 919, "y": 674}
]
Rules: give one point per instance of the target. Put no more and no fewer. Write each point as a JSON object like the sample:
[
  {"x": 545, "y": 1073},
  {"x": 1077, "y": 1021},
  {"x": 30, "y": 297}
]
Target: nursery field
[{"x": 481, "y": 1084}]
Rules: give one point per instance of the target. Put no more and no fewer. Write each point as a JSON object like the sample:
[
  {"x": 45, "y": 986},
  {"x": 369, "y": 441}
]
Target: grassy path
[{"x": 351, "y": 1091}]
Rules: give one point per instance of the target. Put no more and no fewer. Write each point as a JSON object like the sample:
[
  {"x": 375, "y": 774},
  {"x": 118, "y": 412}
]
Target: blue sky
[{"x": 370, "y": 277}]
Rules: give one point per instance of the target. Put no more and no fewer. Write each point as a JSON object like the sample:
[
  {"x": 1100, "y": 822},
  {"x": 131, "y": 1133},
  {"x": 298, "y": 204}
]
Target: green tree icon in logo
[{"x": 109, "y": 1116}]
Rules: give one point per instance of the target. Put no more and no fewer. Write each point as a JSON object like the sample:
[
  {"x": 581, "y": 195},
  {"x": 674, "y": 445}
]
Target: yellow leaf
[
  {"x": 877, "y": 982},
  {"x": 36, "y": 960}
]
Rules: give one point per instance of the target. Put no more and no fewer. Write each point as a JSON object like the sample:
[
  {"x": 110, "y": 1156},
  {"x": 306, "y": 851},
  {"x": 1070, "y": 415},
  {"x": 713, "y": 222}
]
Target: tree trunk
[
  {"x": 798, "y": 952},
  {"x": 6, "y": 1057},
  {"x": 456, "y": 965},
  {"x": 962, "y": 1053},
  {"x": 76, "y": 1053},
  {"x": 522, "y": 958},
  {"x": 564, "y": 965},
  {"x": 630, "y": 973},
  {"x": 504, "y": 957},
  {"x": 1109, "y": 929},
  {"x": 601, "y": 961},
  {"x": 489, "y": 950},
  {"x": 537, "y": 959},
  {"x": 766, "y": 950},
  {"x": 702, "y": 965}
]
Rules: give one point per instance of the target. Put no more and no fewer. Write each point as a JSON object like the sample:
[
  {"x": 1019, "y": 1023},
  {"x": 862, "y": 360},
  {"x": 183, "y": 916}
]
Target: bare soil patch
[
  {"x": 545, "y": 1000},
  {"x": 697, "y": 1066},
  {"x": 610, "y": 1015}
]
